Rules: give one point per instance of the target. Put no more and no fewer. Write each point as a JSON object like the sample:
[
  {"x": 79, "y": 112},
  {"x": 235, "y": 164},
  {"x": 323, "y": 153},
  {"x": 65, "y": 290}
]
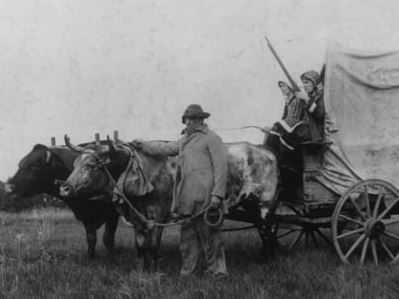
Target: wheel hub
[{"x": 374, "y": 228}]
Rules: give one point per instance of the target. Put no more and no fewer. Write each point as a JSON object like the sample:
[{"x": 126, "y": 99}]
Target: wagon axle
[{"x": 374, "y": 228}]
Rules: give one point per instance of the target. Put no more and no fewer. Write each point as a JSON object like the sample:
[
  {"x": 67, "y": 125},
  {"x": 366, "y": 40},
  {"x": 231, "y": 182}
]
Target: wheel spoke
[
  {"x": 287, "y": 233},
  {"x": 374, "y": 251},
  {"x": 357, "y": 209},
  {"x": 391, "y": 221},
  {"x": 393, "y": 236},
  {"x": 295, "y": 211},
  {"x": 366, "y": 198},
  {"x": 387, "y": 209},
  {"x": 387, "y": 250},
  {"x": 377, "y": 204},
  {"x": 275, "y": 229},
  {"x": 324, "y": 237},
  {"x": 364, "y": 250},
  {"x": 313, "y": 235},
  {"x": 353, "y": 232},
  {"x": 351, "y": 220},
  {"x": 296, "y": 240},
  {"x": 306, "y": 239},
  {"x": 358, "y": 241}
]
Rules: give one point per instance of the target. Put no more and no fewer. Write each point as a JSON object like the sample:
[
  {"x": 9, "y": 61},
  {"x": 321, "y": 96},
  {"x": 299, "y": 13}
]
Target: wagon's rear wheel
[{"x": 363, "y": 223}]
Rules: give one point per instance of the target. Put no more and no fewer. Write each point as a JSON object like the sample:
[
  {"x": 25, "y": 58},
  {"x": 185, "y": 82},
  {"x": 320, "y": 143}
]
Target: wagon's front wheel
[{"x": 363, "y": 223}]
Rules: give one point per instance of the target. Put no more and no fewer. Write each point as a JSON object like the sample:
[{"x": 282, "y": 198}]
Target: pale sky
[{"x": 86, "y": 66}]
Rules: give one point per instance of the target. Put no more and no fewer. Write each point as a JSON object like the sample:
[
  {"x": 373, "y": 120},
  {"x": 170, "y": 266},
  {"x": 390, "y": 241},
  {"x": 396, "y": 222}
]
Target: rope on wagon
[{"x": 264, "y": 130}]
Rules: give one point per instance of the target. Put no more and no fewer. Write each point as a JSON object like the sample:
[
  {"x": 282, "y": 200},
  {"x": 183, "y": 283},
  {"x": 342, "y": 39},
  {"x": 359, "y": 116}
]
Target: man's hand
[
  {"x": 175, "y": 216},
  {"x": 266, "y": 130},
  {"x": 215, "y": 201},
  {"x": 302, "y": 95}
]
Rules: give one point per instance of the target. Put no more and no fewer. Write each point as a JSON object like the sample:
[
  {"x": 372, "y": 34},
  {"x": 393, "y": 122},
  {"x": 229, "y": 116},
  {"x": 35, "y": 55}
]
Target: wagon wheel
[
  {"x": 275, "y": 234},
  {"x": 363, "y": 222},
  {"x": 309, "y": 232}
]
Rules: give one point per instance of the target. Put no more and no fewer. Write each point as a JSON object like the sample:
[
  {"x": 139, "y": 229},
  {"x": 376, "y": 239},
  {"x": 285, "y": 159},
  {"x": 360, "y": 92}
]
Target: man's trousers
[{"x": 196, "y": 237}]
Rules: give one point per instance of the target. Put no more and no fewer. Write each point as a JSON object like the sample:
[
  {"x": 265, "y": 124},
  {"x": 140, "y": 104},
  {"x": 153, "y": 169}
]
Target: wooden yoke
[
  {"x": 97, "y": 138},
  {"x": 116, "y": 136}
]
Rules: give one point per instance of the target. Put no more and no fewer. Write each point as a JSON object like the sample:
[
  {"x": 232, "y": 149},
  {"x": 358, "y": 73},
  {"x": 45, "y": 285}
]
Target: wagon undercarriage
[{"x": 360, "y": 224}]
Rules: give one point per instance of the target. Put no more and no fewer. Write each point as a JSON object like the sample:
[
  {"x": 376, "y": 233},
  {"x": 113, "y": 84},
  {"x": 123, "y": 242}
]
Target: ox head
[
  {"x": 89, "y": 177},
  {"x": 37, "y": 172}
]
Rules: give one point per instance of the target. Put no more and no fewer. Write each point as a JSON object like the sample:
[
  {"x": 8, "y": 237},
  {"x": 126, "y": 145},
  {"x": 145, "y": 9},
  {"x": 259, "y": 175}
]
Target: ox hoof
[{"x": 91, "y": 258}]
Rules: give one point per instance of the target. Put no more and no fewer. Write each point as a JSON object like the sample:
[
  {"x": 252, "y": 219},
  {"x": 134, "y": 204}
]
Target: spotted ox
[
  {"x": 252, "y": 171},
  {"x": 251, "y": 185},
  {"x": 37, "y": 173}
]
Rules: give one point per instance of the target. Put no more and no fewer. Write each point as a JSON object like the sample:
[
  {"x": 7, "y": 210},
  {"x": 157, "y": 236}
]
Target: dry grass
[{"x": 43, "y": 256}]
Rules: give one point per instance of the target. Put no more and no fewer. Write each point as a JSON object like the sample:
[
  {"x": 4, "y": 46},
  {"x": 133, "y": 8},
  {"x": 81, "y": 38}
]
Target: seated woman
[
  {"x": 314, "y": 99},
  {"x": 291, "y": 130},
  {"x": 336, "y": 172}
]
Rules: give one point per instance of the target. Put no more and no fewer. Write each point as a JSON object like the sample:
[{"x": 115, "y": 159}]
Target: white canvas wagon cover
[{"x": 362, "y": 121}]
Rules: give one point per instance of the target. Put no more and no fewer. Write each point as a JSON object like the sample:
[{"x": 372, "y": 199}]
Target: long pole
[{"x": 287, "y": 74}]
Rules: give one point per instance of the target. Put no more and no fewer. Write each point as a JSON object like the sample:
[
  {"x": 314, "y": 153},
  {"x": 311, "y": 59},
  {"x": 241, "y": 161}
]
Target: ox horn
[
  {"x": 73, "y": 147},
  {"x": 111, "y": 144}
]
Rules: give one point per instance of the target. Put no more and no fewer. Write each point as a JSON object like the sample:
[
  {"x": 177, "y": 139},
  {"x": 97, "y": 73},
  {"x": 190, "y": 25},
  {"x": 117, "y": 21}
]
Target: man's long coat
[{"x": 201, "y": 168}]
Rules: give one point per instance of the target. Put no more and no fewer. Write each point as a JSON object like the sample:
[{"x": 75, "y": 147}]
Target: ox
[
  {"x": 89, "y": 177},
  {"x": 37, "y": 173},
  {"x": 252, "y": 181}
]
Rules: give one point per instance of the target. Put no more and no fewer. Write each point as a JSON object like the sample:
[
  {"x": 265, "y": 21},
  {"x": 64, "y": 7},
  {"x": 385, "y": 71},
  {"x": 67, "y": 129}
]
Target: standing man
[{"x": 200, "y": 181}]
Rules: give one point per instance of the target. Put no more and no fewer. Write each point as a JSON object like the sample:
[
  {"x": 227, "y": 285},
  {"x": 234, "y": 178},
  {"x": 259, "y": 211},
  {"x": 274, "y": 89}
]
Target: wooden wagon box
[{"x": 314, "y": 191}]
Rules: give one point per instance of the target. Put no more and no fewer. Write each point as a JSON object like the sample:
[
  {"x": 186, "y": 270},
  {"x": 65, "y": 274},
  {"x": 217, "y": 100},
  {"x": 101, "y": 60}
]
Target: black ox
[{"x": 38, "y": 173}]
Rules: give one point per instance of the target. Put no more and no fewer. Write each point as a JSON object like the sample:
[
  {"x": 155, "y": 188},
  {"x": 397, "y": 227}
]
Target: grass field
[{"x": 43, "y": 255}]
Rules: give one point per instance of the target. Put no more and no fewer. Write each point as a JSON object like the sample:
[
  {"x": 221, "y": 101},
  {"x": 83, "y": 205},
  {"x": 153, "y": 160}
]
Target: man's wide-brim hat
[{"x": 194, "y": 111}]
